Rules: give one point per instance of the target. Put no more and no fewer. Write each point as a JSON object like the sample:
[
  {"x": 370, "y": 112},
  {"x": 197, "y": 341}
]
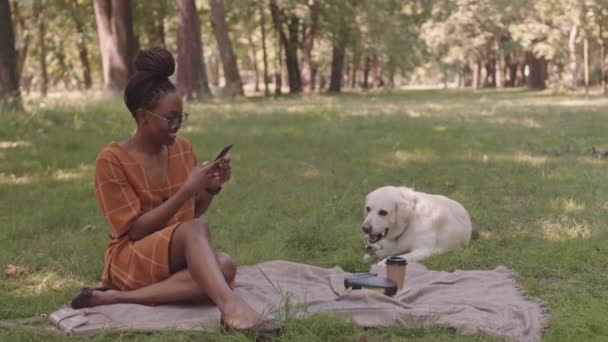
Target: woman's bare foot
[
  {"x": 237, "y": 314},
  {"x": 88, "y": 297}
]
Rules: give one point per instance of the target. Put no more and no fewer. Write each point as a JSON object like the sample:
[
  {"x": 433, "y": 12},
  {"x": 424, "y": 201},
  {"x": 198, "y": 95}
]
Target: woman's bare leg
[
  {"x": 190, "y": 248},
  {"x": 180, "y": 287}
]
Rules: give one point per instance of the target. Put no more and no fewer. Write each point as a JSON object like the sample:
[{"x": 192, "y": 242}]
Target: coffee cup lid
[{"x": 396, "y": 260}]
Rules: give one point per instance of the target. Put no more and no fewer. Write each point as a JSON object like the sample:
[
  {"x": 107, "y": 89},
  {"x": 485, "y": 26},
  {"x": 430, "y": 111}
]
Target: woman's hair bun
[{"x": 157, "y": 61}]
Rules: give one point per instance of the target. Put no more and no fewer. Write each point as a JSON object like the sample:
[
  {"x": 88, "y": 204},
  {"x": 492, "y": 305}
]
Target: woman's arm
[
  {"x": 204, "y": 197},
  {"x": 157, "y": 218},
  {"x": 203, "y": 201}
]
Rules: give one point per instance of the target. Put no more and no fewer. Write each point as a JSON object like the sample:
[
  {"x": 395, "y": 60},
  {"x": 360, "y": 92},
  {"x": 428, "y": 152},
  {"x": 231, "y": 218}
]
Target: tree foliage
[{"x": 480, "y": 43}]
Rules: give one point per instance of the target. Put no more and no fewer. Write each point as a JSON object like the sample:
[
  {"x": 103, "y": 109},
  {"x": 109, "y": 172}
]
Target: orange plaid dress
[{"x": 123, "y": 193}]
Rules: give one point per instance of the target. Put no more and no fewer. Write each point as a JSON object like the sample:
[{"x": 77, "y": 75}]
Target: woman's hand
[
  {"x": 206, "y": 175},
  {"x": 224, "y": 168}
]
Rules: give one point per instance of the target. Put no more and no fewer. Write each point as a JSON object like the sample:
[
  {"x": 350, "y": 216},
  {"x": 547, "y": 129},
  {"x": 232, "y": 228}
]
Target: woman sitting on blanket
[{"x": 152, "y": 192}]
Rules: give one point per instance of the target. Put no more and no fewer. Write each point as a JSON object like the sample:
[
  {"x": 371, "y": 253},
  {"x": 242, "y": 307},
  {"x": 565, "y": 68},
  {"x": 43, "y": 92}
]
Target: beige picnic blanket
[{"x": 487, "y": 302}]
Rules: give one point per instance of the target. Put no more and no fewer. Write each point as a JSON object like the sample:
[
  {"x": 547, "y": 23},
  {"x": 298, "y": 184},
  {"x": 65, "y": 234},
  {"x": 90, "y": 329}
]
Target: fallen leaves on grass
[
  {"x": 12, "y": 271},
  {"x": 24, "y": 282},
  {"x": 40, "y": 283}
]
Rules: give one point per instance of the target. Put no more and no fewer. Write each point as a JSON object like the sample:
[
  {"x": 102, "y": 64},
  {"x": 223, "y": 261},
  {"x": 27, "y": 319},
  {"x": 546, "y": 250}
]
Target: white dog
[{"x": 399, "y": 220}]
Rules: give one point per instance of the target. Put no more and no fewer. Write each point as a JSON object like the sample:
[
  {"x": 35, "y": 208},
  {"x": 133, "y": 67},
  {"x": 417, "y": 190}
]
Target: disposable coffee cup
[{"x": 395, "y": 270}]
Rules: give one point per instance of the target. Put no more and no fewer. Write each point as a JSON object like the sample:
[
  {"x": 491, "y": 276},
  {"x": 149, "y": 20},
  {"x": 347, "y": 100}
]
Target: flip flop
[
  {"x": 265, "y": 326},
  {"x": 81, "y": 298}
]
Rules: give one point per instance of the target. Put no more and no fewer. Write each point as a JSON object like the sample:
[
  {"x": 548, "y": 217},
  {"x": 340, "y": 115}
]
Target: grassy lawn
[{"x": 518, "y": 161}]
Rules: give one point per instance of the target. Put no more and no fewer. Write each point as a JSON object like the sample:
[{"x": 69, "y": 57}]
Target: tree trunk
[
  {"x": 234, "y": 85},
  {"x": 82, "y": 45},
  {"x": 253, "y": 61},
  {"x": 485, "y": 80},
  {"x": 376, "y": 69},
  {"x": 278, "y": 74},
  {"x": 39, "y": 17},
  {"x": 278, "y": 83},
  {"x": 538, "y": 71},
  {"x": 20, "y": 31},
  {"x": 392, "y": 70},
  {"x": 467, "y": 78},
  {"x": 602, "y": 46},
  {"x": 354, "y": 70},
  {"x": 337, "y": 60},
  {"x": 313, "y": 77},
  {"x": 476, "y": 74},
  {"x": 9, "y": 82},
  {"x": 291, "y": 56},
  {"x": 366, "y": 71},
  {"x": 489, "y": 80},
  {"x": 603, "y": 68},
  {"x": 337, "y": 65},
  {"x": 192, "y": 79},
  {"x": 322, "y": 81},
  {"x": 499, "y": 67},
  {"x": 309, "y": 36},
  {"x": 510, "y": 71},
  {"x": 512, "y": 74},
  {"x": 285, "y": 77},
  {"x": 290, "y": 44},
  {"x": 572, "y": 51},
  {"x": 346, "y": 79},
  {"x": 560, "y": 67},
  {"x": 116, "y": 41},
  {"x": 214, "y": 65},
  {"x": 586, "y": 62},
  {"x": 520, "y": 79},
  {"x": 154, "y": 23},
  {"x": 264, "y": 54},
  {"x": 122, "y": 22},
  {"x": 159, "y": 15}
]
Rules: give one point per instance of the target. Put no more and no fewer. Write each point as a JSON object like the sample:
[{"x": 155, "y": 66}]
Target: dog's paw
[
  {"x": 376, "y": 247},
  {"x": 368, "y": 258}
]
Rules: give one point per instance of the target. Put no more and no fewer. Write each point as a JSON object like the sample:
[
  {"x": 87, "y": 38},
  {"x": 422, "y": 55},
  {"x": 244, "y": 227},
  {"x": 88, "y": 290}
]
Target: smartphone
[{"x": 223, "y": 152}]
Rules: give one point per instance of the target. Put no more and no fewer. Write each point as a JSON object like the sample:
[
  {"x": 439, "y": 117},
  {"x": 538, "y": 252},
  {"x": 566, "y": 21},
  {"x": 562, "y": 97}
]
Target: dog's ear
[{"x": 405, "y": 206}]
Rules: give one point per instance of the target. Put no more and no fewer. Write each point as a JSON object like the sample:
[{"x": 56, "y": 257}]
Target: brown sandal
[
  {"x": 266, "y": 326},
  {"x": 82, "y": 297}
]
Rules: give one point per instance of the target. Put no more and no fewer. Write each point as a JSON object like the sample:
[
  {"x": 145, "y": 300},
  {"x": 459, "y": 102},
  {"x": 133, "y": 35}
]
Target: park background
[{"x": 500, "y": 105}]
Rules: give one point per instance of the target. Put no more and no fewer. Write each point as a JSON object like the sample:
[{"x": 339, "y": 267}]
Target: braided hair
[{"x": 150, "y": 82}]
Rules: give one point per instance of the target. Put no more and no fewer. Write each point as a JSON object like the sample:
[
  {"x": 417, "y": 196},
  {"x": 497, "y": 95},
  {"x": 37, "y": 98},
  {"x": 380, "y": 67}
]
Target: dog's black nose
[{"x": 367, "y": 229}]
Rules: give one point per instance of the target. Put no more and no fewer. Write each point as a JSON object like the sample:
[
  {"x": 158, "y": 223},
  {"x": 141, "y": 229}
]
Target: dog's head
[{"x": 387, "y": 213}]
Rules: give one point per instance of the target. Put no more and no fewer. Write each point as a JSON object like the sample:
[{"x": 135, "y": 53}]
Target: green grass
[{"x": 518, "y": 161}]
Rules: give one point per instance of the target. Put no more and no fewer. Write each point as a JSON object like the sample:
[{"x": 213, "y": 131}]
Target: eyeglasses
[{"x": 173, "y": 123}]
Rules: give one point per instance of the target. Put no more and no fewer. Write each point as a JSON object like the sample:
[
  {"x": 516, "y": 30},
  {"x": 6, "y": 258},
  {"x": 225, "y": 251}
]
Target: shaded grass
[{"x": 518, "y": 161}]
